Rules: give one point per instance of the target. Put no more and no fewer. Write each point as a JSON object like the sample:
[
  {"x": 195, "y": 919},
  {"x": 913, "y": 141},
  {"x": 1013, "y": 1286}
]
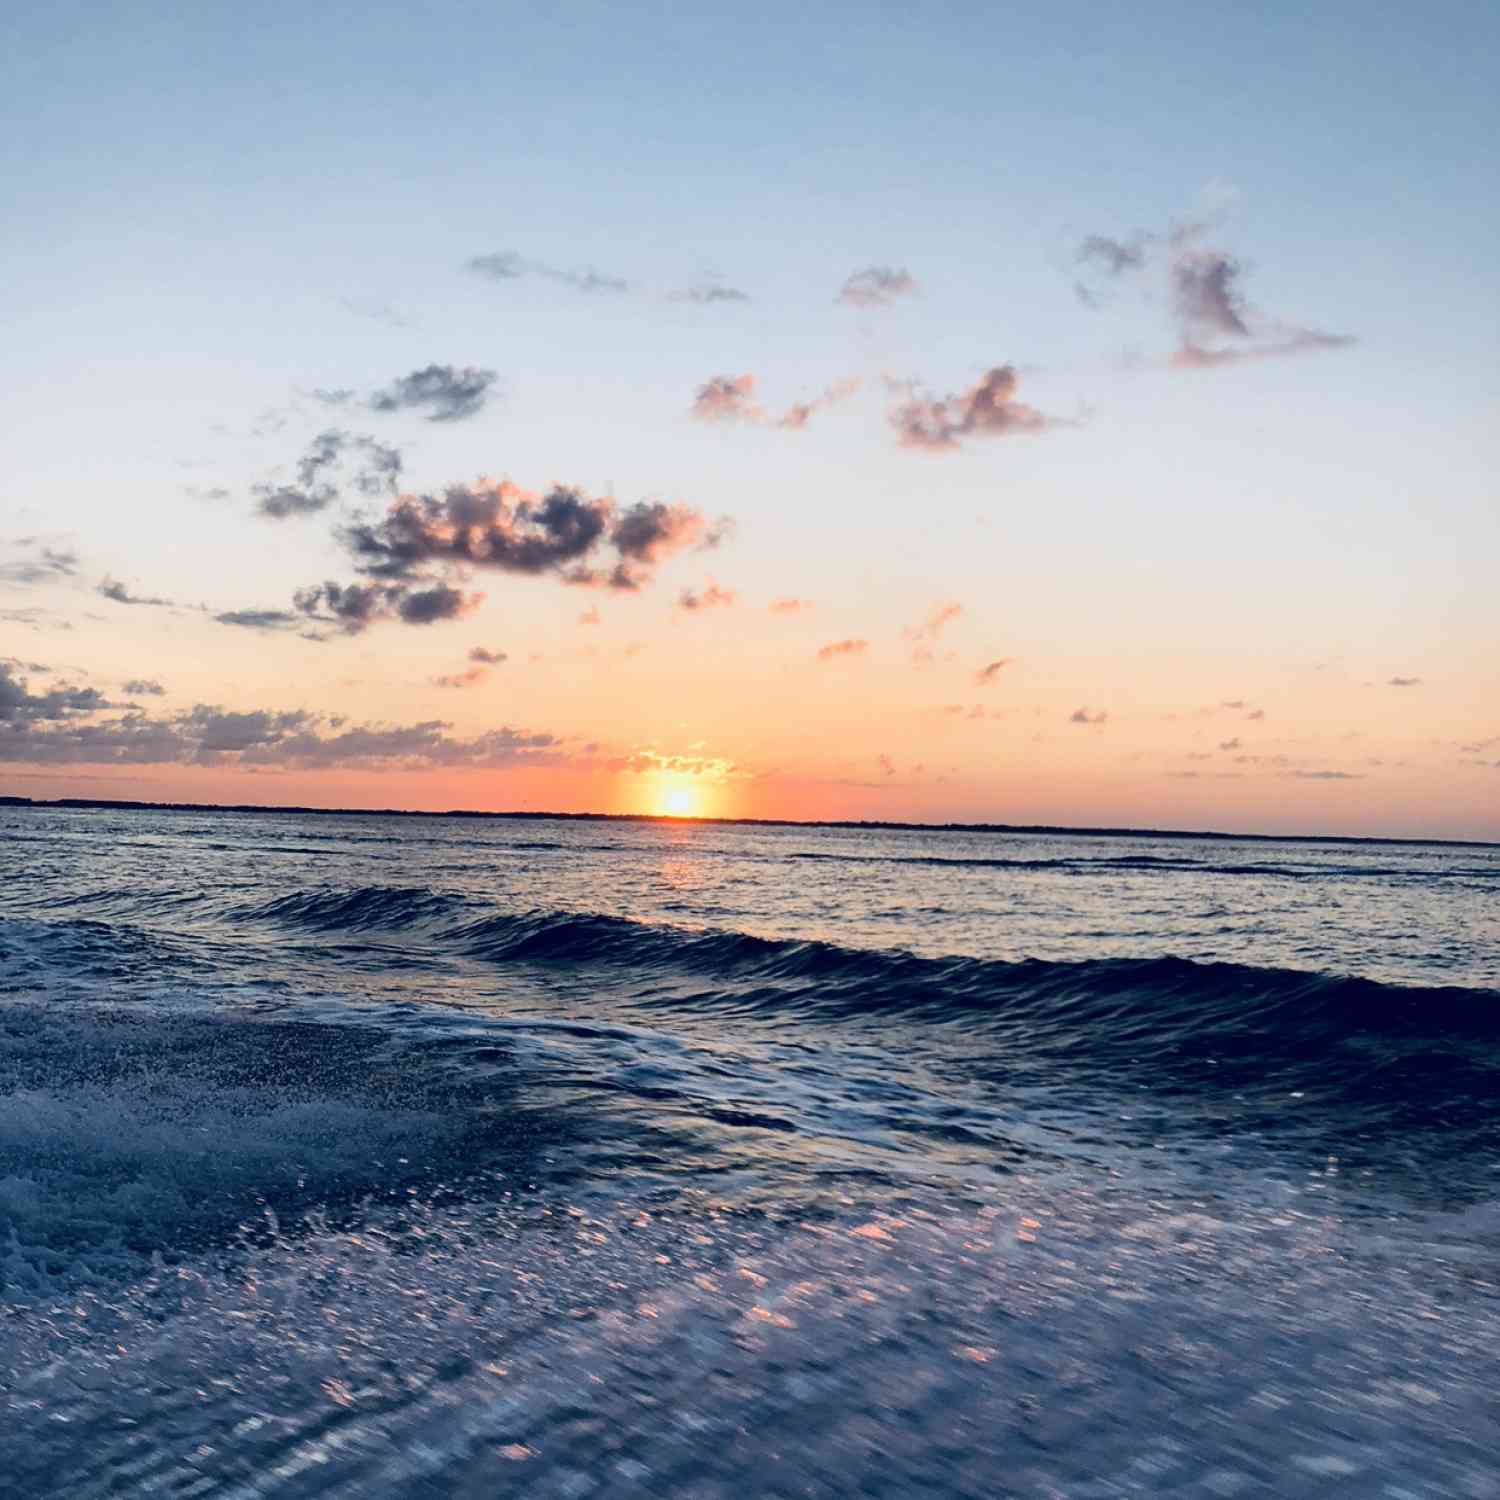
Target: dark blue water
[{"x": 374, "y": 1156}]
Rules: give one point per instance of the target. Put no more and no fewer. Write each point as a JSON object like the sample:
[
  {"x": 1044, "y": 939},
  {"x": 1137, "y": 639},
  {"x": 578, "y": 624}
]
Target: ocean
[{"x": 446, "y": 1157}]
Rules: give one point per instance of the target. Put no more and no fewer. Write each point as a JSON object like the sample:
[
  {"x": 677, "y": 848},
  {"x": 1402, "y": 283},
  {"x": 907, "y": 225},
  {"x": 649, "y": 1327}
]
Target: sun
[{"x": 678, "y": 800}]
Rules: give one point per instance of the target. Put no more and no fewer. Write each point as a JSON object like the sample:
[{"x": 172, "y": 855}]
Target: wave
[
  {"x": 1269, "y": 869},
  {"x": 1166, "y": 991}
]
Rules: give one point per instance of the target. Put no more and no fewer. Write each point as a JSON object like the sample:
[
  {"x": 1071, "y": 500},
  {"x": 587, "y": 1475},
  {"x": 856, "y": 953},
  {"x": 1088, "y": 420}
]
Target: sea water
[{"x": 404, "y": 1156}]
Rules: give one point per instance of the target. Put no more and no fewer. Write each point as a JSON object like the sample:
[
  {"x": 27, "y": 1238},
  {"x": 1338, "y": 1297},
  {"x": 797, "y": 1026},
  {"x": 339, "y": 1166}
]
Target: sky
[{"x": 1076, "y": 415}]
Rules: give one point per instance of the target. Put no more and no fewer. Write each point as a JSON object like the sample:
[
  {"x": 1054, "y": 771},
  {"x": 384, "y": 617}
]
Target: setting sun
[{"x": 679, "y": 799}]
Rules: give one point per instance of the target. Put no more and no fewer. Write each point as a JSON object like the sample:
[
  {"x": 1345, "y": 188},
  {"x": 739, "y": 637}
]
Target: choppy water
[{"x": 372, "y": 1156}]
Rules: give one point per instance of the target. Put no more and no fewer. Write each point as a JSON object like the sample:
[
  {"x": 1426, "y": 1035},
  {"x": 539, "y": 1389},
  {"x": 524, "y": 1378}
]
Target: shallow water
[{"x": 442, "y": 1157}]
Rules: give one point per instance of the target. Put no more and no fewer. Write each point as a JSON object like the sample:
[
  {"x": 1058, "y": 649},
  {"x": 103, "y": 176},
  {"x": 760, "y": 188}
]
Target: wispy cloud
[
  {"x": 924, "y": 636},
  {"x": 789, "y": 606},
  {"x": 41, "y": 564},
  {"x": 877, "y": 286},
  {"x": 443, "y": 393},
  {"x": 144, "y": 687},
  {"x": 732, "y": 398},
  {"x": 508, "y": 265},
  {"x": 712, "y": 597},
  {"x": 836, "y": 649},
  {"x": 372, "y": 467},
  {"x": 1404, "y": 682},
  {"x": 989, "y": 408},
  {"x": 486, "y": 657},
  {"x": 1084, "y": 716},
  {"x": 353, "y": 607},
  {"x": 990, "y": 672},
  {"x": 115, "y": 591}
]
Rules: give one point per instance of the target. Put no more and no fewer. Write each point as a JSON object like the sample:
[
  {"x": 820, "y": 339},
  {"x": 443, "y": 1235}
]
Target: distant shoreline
[{"x": 102, "y": 804}]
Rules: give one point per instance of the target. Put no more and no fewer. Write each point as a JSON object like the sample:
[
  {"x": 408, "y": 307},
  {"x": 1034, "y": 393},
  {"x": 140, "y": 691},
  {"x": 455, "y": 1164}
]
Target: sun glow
[{"x": 679, "y": 798}]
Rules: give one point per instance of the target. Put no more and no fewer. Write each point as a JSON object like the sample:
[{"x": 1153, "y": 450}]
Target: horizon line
[{"x": 1060, "y": 830}]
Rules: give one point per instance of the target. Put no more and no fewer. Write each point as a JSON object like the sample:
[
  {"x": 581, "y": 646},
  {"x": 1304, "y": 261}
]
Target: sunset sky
[{"x": 1070, "y": 414}]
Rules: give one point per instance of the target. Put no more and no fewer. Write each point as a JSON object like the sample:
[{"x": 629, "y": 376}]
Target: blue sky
[{"x": 217, "y": 213}]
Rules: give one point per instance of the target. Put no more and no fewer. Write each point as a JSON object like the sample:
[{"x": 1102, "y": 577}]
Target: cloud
[
  {"x": 590, "y": 616},
  {"x": 1211, "y": 309},
  {"x": 877, "y": 286},
  {"x": 731, "y": 398},
  {"x": 836, "y": 649},
  {"x": 708, "y": 294},
  {"x": 728, "y": 398},
  {"x": 19, "y": 707},
  {"x": 258, "y": 619},
  {"x": 1326, "y": 775},
  {"x": 469, "y": 677},
  {"x": 486, "y": 657},
  {"x": 1404, "y": 682},
  {"x": 506, "y": 529},
  {"x": 1231, "y": 744},
  {"x": 374, "y": 468},
  {"x": 924, "y": 636},
  {"x": 1193, "y": 356},
  {"x": 1256, "y": 713},
  {"x": 113, "y": 589},
  {"x": 443, "y": 392},
  {"x": 1206, "y": 294},
  {"x": 789, "y": 606},
  {"x": 990, "y": 673},
  {"x": 1083, "y": 716},
  {"x": 713, "y": 597},
  {"x": 259, "y": 739},
  {"x": 1114, "y": 256},
  {"x": 44, "y": 565},
  {"x": 1215, "y": 323},
  {"x": 355, "y": 606},
  {"x": 144, "y": 687},
  {"x": 507, "y": 265},
  {"x": 987, "y": 409}
]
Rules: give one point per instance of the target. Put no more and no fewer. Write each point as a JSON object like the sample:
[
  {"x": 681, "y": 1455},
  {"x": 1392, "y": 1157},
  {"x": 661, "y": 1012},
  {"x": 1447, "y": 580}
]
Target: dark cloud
[
  {"x": 440, "y": 602},
  {"x": 501, "y": 527},
  {"x": 877, "y": 286},
  {"x": 507, "y": 265},
  {"x": 1233, "y": 744},
  {"x": 19, "y": 706},
  {"x": 44, "y": 564},
  {"x": 113, "y": 589},
  {"x": 835, "y": 649},
  {"x": 258, "y": 619},
  {"x": 144, "y": 687},
  {"x": 443, "y": 392},
  {"x": 259, "y": 739},
  {"x": 1326, "y": 775},
  {"x": 485, "y": 657},
  {"x": 354, "y": 607},
  {"x": 991, "y": 671},
  {"x": 712, "y": 597},
  {"x": 374, "y": 468},
  {"x": 987, "y": 409},
  {"x": 1083, "y": 716}
]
